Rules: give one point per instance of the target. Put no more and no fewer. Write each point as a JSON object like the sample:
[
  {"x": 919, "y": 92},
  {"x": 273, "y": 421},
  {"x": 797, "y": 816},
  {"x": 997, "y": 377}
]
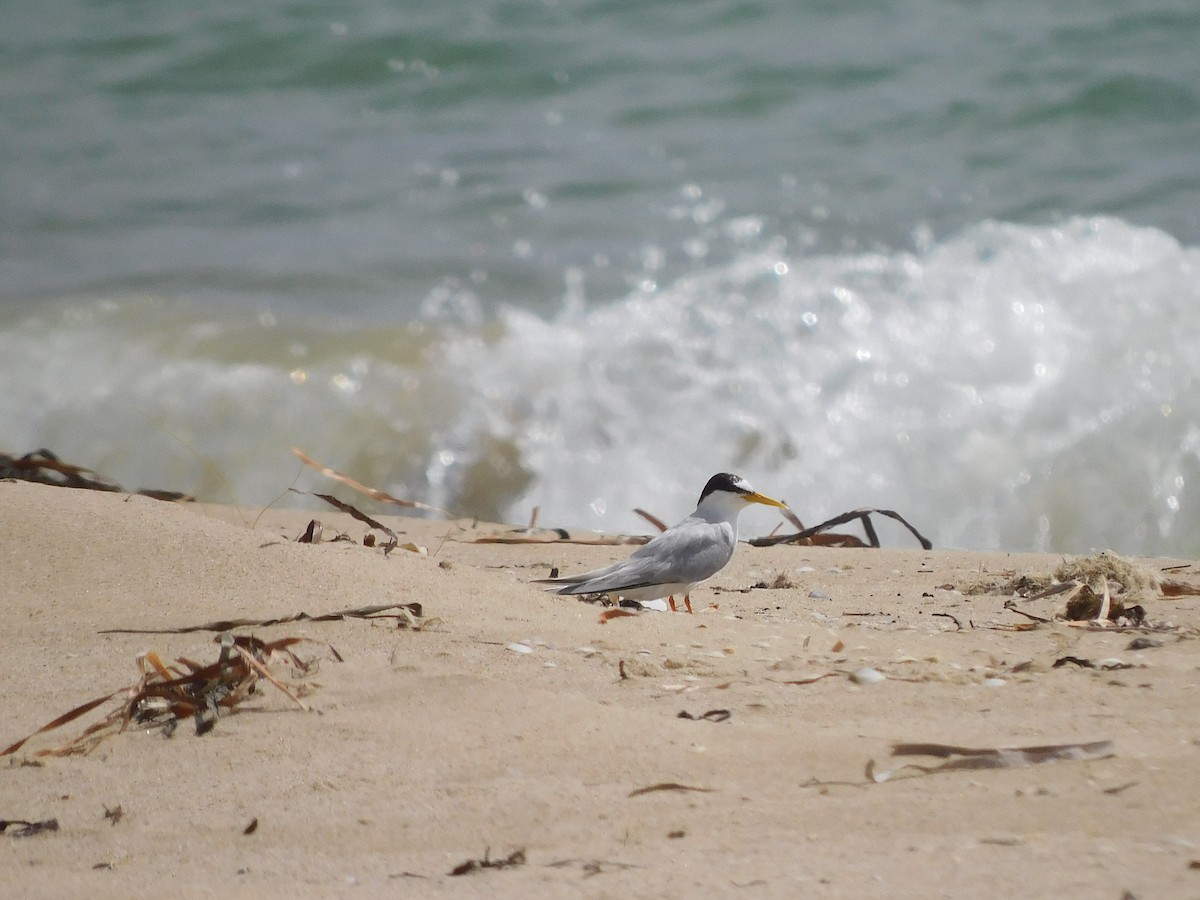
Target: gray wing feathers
[{"x": 687, "y": 554}]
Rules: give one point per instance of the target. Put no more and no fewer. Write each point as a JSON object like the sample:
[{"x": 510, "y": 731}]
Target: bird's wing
[{"x": 689, "y": 553}]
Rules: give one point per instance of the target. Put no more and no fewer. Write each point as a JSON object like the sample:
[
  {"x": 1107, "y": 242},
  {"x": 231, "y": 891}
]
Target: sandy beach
[{"x": 516, "y": 728}]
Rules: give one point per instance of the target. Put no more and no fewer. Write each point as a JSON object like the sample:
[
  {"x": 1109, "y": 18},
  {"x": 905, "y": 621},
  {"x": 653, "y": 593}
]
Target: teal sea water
[{"x": 936, "y": 256}]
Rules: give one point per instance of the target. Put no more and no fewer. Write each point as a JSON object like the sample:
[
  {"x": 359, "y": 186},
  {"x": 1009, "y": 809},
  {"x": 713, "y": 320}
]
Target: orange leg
[
  {"x": 671, "y": 603},
  {"x": 687, "y": 601}
]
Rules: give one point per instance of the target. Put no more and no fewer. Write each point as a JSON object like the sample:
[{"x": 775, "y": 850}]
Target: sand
[{"x": 424, "y": 749}]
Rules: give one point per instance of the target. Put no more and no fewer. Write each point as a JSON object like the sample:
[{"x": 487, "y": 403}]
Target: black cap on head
[{"x": 724, "y": 481}]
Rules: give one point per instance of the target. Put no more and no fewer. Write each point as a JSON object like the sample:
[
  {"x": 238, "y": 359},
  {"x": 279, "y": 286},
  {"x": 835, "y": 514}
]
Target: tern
[{"x": 683, "y": 556}]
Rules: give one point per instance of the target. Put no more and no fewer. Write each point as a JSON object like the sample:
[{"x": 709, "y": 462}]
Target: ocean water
[{"x": 940, "y": 257}]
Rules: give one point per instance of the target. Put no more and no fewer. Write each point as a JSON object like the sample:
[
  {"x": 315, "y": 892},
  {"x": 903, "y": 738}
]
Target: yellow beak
[{"x": 756, "y": 497}]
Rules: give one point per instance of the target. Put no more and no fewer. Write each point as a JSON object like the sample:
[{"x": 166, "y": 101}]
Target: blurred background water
[{"x": 934, "y": 255}]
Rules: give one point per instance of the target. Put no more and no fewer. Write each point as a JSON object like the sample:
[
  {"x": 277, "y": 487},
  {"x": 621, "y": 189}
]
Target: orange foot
[{"x": 687, "y": 602}]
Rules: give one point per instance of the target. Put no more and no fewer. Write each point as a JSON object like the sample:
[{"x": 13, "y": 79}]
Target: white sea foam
[
  {"x": 1014, "y": 386},
  {"x": 1011, "y": 387}
]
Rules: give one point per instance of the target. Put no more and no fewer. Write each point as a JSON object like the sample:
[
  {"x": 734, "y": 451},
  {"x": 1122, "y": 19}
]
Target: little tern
[{"x": 680, "y": 558}]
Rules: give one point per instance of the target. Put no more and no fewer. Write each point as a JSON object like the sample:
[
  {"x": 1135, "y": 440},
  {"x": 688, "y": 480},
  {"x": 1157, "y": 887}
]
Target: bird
[{"x": 681, "y": 557}]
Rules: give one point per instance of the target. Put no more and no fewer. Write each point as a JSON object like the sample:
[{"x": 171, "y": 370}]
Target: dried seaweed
[
  {"x": 24, "y": 829},
  {"x": 713, "y": 715},
  {"x": 361, "y": 516},
  {"x": 811, "y": 679},
  {"x": 1006, "y": 584},
  {"x": 809, "y": 535},
  {"x": 668, "y": 786},
  {"x": 165, "y": 695},
  {"x": 516, "y": 858},
  {"x": 1122, "y": 578},
  {"x": 44, "y": 467},
  {"x": 373, "y": 493},
  {"x": 593, "y": 867},
  {"x": 958, "y": 757},
  {"x": 406, "y": 614},
  {"x": 652, "y": 519},
  {"x": 1173, "y": 588},
  {"x": 781, "y": 582},
  {"x": 1107, "y": 665},
  {"x": 1084, "y": 605},
  {"x": 1108, "y": 566},
  {"x": 558, "y": 536},
  {"x": 806, "y": 536}
]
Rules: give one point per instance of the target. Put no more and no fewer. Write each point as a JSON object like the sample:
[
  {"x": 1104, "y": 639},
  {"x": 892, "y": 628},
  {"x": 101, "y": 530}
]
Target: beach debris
[
  {"x": 1172, "y": 588},
  {"x": 1106, "y": 565},
  {"x": 1108, "y": 665},
  {"x": 166, "y": 695},
  {"x": 615, "y": 613},
  {"x": 867, "y": 675},
  {"x": 782, "y": 581},
  {"x": 952, "y": 618},
  {"x": 405, "y": 614},
  {"x": 373, "y": 493},
  {"x": 713, "y": 715},
  {"x": 1094, "y": 592},
  {"x": 1125, "y": 580},
  {"x": 516, "y": 858},
  {"x": 592, "y": 867},
  {"x": 532, "y": 530},
  {"x": 561, "y": 536},
  {"x": 1008, "y": 583},
  {"x": 312, "y": 535},
  {"x": 669, "y": 786},
  {"x": 252, "y": 827},
  {"x": 1083, "y": 603},
  {"x": 114, "y": 814},
  {"x": 813, "y": 535},
  {"x": 24, "y": 829},
  {"x": 810, "y": 679},
  {"x": 958, "y": 757},
  {"x": 806, "y": 536},
  {"x": 652, "y": 519},
  {"x": 44, "y": 467},
  {"x": 1144, "y": 643}
]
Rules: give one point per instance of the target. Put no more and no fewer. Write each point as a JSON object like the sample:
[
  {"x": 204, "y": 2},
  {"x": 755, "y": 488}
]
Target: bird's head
[{"x": 726, "y": 488}]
